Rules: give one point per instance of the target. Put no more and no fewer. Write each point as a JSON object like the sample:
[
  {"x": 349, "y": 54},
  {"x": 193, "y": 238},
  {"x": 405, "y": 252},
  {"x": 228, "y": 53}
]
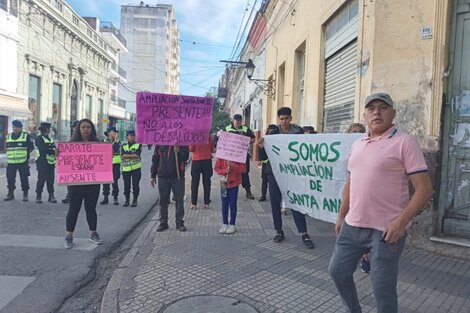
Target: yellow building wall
[{"x": 392, "y": 57}]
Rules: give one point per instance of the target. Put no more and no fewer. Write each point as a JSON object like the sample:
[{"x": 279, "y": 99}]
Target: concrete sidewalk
[{"x": 203, "y": 271}]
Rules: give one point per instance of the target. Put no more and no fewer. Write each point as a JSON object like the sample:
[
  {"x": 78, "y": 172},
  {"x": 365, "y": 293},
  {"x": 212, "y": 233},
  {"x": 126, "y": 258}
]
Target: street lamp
[{"x": 267, "y": 85}]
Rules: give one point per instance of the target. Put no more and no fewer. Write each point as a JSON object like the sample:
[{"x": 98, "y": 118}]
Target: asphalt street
[{"x": 36, "y": 273}]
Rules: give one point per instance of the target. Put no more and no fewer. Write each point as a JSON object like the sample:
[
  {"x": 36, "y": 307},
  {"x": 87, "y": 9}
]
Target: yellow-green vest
[
  {"x": 17, "y": 149},
  {"x": 51, "y": 159},
  {"x": 117, "y": 156},
  {"x": 231, "y": 129},
  {"x": 130, "y": 165}
]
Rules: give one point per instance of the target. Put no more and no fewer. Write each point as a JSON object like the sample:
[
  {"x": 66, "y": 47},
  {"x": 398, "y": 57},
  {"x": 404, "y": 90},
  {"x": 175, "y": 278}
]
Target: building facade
[
  {"x": 327, "y": 56},
  {"x": 152, "y": 63},
  {"x": 63, "y": 67},
  {"x": 116, "y": 46},
  {"x": 12, "y": 104}
]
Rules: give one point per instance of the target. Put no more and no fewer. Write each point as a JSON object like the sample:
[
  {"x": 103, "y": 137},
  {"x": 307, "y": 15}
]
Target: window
[
  {"x": 87, "y": 113},
  {"x": 75, "y": 20},
  {"x": 10, "y": 6},
  {"x": 341, "y": 19},
  {"x": 34, "y": 101},
  {"x": 56, "y": 105},
  {"x": 299, "y": 82},
  {"x": 58, "y": 4}
]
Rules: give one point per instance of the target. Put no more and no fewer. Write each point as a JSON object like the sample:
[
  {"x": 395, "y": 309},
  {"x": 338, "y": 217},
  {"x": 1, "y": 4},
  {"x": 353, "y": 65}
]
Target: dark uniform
[
  {"x": 19, "y": 147},
  {"x": 45, "y": 163},
  {"x": 116, "y": 171},
  {"x": 131, "y": 168},
  {"x": 245, "y": 131}
]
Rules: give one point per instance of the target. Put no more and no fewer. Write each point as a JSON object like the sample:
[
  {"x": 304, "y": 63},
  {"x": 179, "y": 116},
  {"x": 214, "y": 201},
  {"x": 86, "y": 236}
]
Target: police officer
[
  {"x": 114, "y": 139},
  {"x": 73, "y": 127},
  {"x": 131, "y": 167},
  {"x": 19, "y": 147},
  {"x": 237, "y": 128},
  {"x": 45, "y": 162}
]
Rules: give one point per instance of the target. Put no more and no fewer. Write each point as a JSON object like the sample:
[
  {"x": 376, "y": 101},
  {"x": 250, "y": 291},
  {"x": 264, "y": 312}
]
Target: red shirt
[
  {"x": 235, "y": 177},
  {"x": 202, "y": 152}
]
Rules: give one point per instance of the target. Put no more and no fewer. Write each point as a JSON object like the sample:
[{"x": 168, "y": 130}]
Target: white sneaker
[
  {"x": 223, "y": 229},
  {"x": 230, "y": 229}
]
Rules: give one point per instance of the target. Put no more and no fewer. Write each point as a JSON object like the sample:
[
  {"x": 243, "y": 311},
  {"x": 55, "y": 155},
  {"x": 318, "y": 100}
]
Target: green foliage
[{"x": 220, "y": 119}]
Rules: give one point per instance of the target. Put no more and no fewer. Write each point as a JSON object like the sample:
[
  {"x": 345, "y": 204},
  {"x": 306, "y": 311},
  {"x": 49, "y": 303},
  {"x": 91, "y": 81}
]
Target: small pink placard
[{"x": 232, "y": 147}]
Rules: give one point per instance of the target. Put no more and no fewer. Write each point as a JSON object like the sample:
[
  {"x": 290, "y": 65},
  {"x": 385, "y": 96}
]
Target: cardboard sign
[
  {"x": 232, "y": 147},
  {"x": 311, "y": 171},
  {"x": 80, "y": 163},
  {"x": 165, "y": 119}
]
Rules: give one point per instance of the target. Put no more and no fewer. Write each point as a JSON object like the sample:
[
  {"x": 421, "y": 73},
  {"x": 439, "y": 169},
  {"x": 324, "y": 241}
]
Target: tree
[{"x": 220, "y": 119}]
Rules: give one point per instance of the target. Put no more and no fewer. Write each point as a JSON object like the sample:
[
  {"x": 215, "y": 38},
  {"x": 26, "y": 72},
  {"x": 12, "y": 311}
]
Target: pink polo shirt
[{"x": 379, "y": 171}]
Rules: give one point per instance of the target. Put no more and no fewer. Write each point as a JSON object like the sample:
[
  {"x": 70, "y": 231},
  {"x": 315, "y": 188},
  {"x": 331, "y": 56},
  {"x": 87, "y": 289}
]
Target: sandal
[{"x": 193, "y": 207}]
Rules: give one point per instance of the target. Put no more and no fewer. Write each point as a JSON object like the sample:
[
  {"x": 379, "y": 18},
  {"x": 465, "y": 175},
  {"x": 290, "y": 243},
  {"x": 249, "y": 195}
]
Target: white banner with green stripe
[{"x": 311, "y": 170}]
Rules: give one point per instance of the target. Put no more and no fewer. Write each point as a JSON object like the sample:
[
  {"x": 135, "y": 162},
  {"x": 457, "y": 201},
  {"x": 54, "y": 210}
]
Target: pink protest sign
[
  {"x": 165, "y": 119},
  {"x": 232, "y": 147},
  {"x": 84, "y": 163}
]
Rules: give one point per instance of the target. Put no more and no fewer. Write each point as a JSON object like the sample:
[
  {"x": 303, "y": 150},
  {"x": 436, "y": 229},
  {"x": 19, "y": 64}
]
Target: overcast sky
[{"x": 208, "y": 30}]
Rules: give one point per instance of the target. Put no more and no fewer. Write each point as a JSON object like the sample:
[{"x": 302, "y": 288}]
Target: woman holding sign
[
  {"x": 230, "y": 174},
  {"x": 88, "y": 194}
]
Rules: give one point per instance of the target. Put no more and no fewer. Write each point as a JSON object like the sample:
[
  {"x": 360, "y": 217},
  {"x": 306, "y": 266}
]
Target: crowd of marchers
[{"x": 376, "y": 207}]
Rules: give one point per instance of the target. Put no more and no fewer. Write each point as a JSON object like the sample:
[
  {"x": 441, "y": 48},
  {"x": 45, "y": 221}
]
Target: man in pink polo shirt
[{"x": 376, "y": 207}]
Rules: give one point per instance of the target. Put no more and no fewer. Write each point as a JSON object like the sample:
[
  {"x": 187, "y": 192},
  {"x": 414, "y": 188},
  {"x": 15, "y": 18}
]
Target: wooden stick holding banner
[{"x": 177, "y": 163}]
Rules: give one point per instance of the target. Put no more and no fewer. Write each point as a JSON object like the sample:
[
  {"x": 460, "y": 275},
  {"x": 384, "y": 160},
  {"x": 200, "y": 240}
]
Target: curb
[{"x": 109, "y": 301}]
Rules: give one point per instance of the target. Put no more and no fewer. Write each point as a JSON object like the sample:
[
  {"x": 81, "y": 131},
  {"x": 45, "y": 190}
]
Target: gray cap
[{"x": 381, "y": 96}]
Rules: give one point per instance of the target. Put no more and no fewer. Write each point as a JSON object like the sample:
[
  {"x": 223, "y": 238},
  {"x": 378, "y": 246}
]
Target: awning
[{"x": 14, "y": 105}]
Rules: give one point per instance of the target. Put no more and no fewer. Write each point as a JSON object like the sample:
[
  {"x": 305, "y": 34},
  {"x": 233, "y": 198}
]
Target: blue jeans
[
  {"x": 230, "y": 201},
  {"x": 351, "y": 244}
]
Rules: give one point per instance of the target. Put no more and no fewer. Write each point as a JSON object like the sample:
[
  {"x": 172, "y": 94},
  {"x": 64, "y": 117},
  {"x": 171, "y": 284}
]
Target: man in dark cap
[
  {"x": 45, "y": 162},
  {"x": 19, "y": 147},
  {"x": 131, "y": 167},
  {"x": 73, "y": 128},
  {"x": 237, "y": 127},
  {"x": 113, "y": 138}
]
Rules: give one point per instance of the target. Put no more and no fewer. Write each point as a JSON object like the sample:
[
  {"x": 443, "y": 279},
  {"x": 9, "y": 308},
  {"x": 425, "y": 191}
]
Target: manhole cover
[{"x": 209, "y": 304}]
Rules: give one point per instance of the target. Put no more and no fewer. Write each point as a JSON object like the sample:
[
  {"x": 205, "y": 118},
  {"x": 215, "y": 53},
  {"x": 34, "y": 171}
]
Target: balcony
[{"x": 109, "y": 27}]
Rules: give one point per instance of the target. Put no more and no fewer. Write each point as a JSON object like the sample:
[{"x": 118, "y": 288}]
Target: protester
[
  {"x": 201, "y": 165},
  {"x": 264, "y": 174},
  {"x": 376, "y": 209},
  {"x": 230, "y": 174},
  {"x": 73, "y": 128},
  {"x": 237, "y": 128},
  {"x": 284, "y": 115},
  {"x": 359, "y": 128},
  {"x": 113, "y": 138},
  {"x": 168, "y": 162},
  {"x": 131, "y": 168},
  {"x": 45, "y": 162},
  {"x": 356, "y": 128},
  {"x": 88, "y": 194},
  {"x": 309, "y": 130},
  {"x": 19, "y": 146}
]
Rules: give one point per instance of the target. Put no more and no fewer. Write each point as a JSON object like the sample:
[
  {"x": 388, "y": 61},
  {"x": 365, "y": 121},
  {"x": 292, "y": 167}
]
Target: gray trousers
[
  {"x": 165, "y": 186},
  {"x": 351, "y": 244}
]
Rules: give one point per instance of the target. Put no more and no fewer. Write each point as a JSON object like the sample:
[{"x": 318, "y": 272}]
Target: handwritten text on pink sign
[
  {"x": 173, "y": 119},
  {"x": 84, "y": 163},
  {"x": 232, "y": 147}
]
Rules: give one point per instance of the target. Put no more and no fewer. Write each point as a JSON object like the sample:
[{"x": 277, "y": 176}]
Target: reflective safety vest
[
  {"x": 51, "y": 159},
  {"x": 117, "y": 155},
  {"x": 231, "y": 129},
  {"x": 134, "y": 164},
  {"x": 17, "y": 149}
]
